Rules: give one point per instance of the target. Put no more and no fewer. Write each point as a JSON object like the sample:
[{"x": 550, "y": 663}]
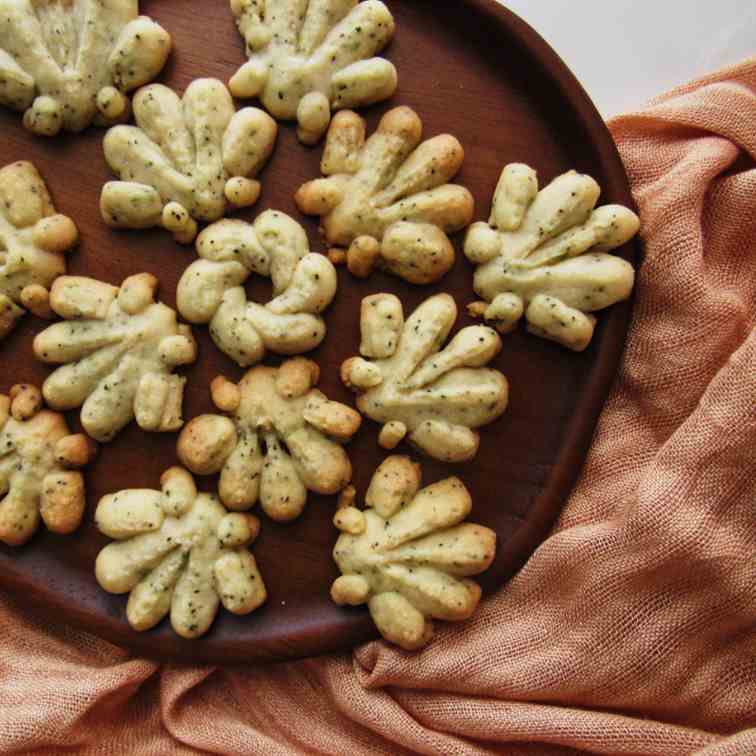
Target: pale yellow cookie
[
  {"x": 309, "y": 58},
  {"x": 177, "y": 551},
  {"x": 409, "y": 554},
  {"x": 33, "y": 242},
  {"x": 282, "y": 438},
  {"x": 387, "y": 199},
  {"x": 542, "y": 255},
  {"x": 37, "y": 457},
  {"x": 435, "y": 396},
  {"x": 120, "y": 348},
  {"x": 69, "y": 63},
  {"x": 275, "y": 246},
  {"x": 187, "y": 159}
]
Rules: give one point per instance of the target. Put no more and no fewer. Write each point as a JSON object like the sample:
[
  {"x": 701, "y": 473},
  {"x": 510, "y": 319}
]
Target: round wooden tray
[{"x": 470, "y": 68}]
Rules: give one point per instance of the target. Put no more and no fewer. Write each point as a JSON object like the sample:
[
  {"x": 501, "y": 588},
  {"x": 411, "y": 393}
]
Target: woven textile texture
[{"x": 632, "y": 630}]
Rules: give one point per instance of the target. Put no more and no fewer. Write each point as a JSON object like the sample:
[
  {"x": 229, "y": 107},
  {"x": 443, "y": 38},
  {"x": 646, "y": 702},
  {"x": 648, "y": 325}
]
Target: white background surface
[{"x": 626, "y": 51}]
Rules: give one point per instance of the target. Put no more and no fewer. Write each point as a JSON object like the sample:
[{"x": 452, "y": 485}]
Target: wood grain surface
[{"x": 469, "y": 68}]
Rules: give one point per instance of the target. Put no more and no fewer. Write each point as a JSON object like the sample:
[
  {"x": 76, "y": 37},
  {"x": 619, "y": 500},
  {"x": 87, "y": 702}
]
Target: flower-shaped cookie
[
  {"x": 408, "y": 554},
  {"x": 121, "y": 348},
  {"x": 543, "y": 254},
  {"x": 282, "y": 439},
  {"x": 178, "y": 551},
  {"x": 69, "y": 63},
  {"x": 186, "y": 160},
  {"x": 37, "y": 452},
  {"x": 33, "y": 240},
  {"x": 275, "y": 246},
  {"x": 307, "y": 58},
  {"x": 387, "y": 199},
  {"x": 414, "y": 387}
]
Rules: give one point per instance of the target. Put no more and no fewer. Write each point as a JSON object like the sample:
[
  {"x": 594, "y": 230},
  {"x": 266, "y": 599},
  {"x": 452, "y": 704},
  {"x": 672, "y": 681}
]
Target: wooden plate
[{"x": 470, "y": 68}]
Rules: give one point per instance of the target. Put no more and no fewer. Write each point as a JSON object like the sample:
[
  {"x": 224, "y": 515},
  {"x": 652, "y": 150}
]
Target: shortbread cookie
[
  {"x": 37, "y": 457},
  {"x": 308, "y": 58},
  {"x": 275, "y": 246},
  {"x": 542, "y": 254},
  {"x": 283, "y": 438},
  {"x": 408, "y": 554},
  {"x": 33, "y": 242},
  {"x": 387, "y": 199},
  {"x": 434, "y": 396},
  {"x": 121, "y": 348},
  {"x": 68, "y": 63},
  {"x": 188, "y": 159},
  {"x": 178, "y": 551}
]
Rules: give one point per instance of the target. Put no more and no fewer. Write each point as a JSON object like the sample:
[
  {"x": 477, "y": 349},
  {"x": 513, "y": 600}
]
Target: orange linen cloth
[{"x": 632, "y": 630}]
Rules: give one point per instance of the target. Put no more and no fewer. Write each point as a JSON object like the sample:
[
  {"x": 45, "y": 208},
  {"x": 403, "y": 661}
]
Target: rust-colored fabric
[{"x": 632, "y": 630}]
